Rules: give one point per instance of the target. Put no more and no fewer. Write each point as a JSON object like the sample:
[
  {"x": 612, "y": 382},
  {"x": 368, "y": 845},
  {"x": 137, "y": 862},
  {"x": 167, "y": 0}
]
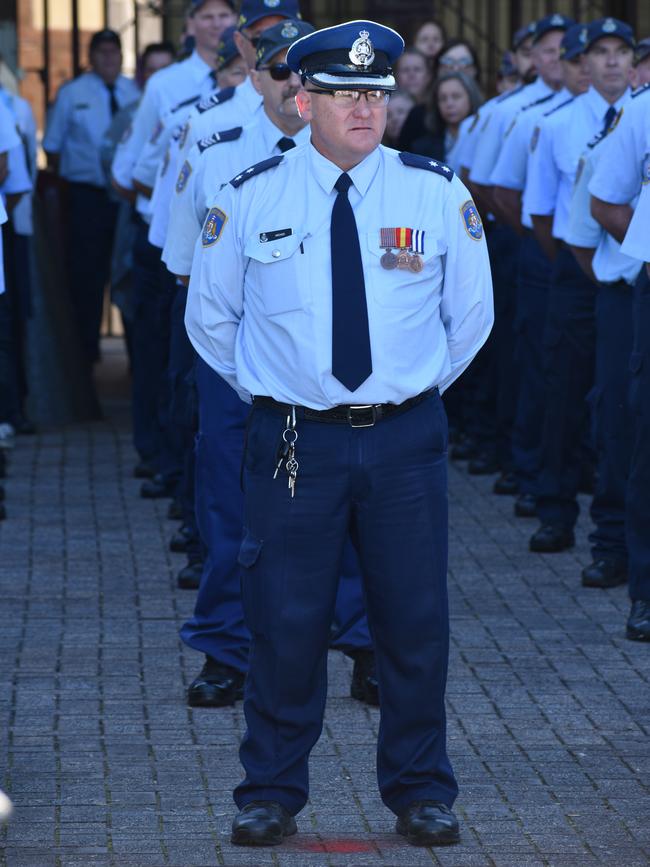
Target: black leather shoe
[
  {"x": 465, "y": 450},
  {"x": 364, "y": 686},
  {"x": 143, "y": 470},
  {"x": 603, "y": 574},
  {"x": 506, "y": 485},
  {"x": 157, "y": 488},
  {"x": 175, "y": 512},
  {"x": 262, "y": 823},
  {"x": 428, "y": 823},
  {"x": 482, "y": 465},
  {"x": 551, "y": 539},
  {"x": 189, "y": 577},
  {"x": 525, "y": 506},
  {"x": 638, "y": 623},
  {"x": 181, "y": 540},
  {"x": 216, "y": 686}
]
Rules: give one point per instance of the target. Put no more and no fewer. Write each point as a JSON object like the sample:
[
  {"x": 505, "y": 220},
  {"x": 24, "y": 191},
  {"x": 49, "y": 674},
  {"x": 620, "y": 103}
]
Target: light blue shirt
[
  {"x": 478, "y": 125},
  {"x": 555, "y": 153},
  {"x": 259, "y": 309},
  {"x": 21, "y": 162},
  {"x": 637, "y": 239},
  {"x": 78, "y": 122},
  {"x": 201, "y": 177}
]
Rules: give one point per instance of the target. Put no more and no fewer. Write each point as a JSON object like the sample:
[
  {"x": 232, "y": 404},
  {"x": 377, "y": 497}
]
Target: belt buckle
[{"x": 363, "y": 408}]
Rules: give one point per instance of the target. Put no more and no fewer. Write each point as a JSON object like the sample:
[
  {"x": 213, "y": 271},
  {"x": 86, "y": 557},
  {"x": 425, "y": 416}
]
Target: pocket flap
[
  {"x": 636, "y": 362},
  {"x": 270, "y": 251},
  {"x": 249, "y": 550}
]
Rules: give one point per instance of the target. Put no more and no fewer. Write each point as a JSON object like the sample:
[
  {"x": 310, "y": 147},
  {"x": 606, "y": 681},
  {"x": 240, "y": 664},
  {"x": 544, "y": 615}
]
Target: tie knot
[
  {"x": 344, "y": 183},
  {"x": 285, "y": 144}
]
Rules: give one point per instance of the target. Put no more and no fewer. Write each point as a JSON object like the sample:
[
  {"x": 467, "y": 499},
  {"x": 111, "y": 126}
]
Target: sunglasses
[{"x": 278, "y": 71}]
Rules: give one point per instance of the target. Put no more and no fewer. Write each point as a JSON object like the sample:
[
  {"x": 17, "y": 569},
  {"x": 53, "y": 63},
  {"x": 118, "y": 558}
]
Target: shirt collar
[
  {"x": 252, "y": 99},
  {"x": 327, "y": 173},
  {"x": 599, "y": 106},
  {"x": 537, "y": 89},
  {"x": 271, "y": 134},
  {"x": 198, "y": 66}
]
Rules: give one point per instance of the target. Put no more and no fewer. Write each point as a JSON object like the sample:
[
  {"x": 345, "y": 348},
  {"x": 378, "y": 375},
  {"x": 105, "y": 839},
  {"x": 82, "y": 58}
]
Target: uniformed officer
[
  {"x": 622, "y": 174},
  {"x": 569, "y": 333},
  {"x": 371, "y": 297}
]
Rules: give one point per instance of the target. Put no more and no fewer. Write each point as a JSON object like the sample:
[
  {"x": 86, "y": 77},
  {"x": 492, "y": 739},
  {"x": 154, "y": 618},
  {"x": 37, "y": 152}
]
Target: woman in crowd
[
  {"x": 399, "y": 108},
  {"x": 413, "y": 74},
  {"x": 429, "y": 39}
]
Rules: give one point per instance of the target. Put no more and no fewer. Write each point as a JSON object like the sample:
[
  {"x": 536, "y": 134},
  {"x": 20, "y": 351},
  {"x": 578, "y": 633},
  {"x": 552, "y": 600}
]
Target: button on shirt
[
  {"x": 563, "y": 136},
  {"x": 201, "y": 177},
  {"x": 77, "y": 124},
  {"x": 259, "y": 307}
]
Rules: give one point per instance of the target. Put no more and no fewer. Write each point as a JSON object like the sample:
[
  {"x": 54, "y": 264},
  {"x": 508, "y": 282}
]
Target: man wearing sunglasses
[{"x": 341, "y": 287}]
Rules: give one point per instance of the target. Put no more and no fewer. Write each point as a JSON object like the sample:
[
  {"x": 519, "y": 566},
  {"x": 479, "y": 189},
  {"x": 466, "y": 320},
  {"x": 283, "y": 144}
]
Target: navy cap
[
  {"x": 350, "y": 56},
  {"x": 604, "y": 27},
  {"x": 642, "y": 50},
  {"x": 551, "y": 22},
  {"x": 522, "y": 35},
  {"x": 102, "y": 37},
  {"x": 573, "y": 42},
  {"x": 252, "y": 10},
  {"x": 507, "y": 66},
  {"x": 280, "y": 36},
  {"x": 226, "y": 50},
  {"x": 195, "y": 5}
]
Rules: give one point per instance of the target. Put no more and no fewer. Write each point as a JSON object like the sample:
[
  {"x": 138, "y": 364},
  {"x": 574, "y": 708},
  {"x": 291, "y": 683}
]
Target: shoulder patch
[
  {"x": 558, "y": 107},
  {"x": 417, "y": 161},
  {"x": 186, "y": 102},
  {"x": 257, "y": 169},
  {"x": 509, "y": 93},
  {"x": 539, "y": 101},
  {"x": 534, "y": 139},
  {"x": 213, "y": 227},
  {"x": 641, "y": 90},
  {"x": 216, "y": 99},
  {"x": 155, "y": 135},
  {"x": 218, "y": 137},
  {"x": 472, "y": 126},
  {"x": 471, "y": 220},
  {"x": 183, "y": 177}
]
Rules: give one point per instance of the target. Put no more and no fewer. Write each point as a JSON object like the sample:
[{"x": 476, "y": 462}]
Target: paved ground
[{"x": 549, "y": 705}]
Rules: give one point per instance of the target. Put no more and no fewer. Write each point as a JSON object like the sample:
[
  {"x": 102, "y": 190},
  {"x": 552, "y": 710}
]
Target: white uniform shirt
[
  {"x": 637, "y": 239},
  {"x": 203, "y": 174},
  {"x": 453, "y": 155},
  {"x": 555, "y": 153},
  {"x": 78, "y": 121},
  {"x": 22, "y": 162},
  {"x": 491, "y": 136},
  {"x": 479, "y": 124},
  {"x": 9, "y": 137},
  {"x": 259, "y": 307}
]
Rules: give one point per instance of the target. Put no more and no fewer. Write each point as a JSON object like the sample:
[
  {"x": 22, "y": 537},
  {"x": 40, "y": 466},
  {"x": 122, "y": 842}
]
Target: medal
[
  {"x": 410, "y": 249},
  {"x": 403, "y": 260},
  {"x": 415, "y": 263},
  {"x": 389, "y": 260}
]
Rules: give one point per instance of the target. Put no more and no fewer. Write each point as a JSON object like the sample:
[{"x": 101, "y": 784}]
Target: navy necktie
[
  {"x": 113, "y": 99},
  {"x": 351, "y": 355},
  {"x": 610, "y": 114},
  {"x": 285, "y": 144}
]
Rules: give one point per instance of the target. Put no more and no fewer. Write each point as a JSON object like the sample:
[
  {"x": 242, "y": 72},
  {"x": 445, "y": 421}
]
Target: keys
[{"x": 288, "y": 452}]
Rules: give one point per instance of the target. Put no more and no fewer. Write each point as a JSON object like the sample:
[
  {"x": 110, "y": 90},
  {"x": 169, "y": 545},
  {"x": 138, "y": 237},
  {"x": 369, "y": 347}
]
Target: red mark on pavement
[{"x": 334, "y": 846}]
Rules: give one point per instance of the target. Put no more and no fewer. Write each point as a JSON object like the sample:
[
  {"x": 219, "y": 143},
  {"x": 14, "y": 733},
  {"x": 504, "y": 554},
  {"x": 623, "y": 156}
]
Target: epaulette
[
  {"x": 417, "y": 161},
  {"x": 257, "y": 169},
  {"x": 639, "y": 90},
  {"x": 539, "y": 101},
  {"x": 558, "y": 107},
  {"x": 218, "y": 137},
  {"x": 216, "y": 99},
  {"x": 186, "y": 102},
  {"x": 510, "y": 93}
]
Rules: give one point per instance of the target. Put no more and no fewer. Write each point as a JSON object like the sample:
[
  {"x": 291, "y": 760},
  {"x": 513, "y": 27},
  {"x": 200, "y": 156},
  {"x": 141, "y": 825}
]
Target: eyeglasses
[
  {"x": 350, "y": 98},
  {"x": 278, "y": 71},
  {"x": 459, "y": 62}
]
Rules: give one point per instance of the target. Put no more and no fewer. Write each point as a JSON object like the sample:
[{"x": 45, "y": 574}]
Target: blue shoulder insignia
[
  {"x": 185, "y": 103},
  {"x": 256, "y": 170},
  {"x": 539, "y": 101},
  {"x": 216, "y": 99},
  {"x": 558, "y": 107},
  {"x": 643, "y": 89},
  {"x": 218, "y": 137},
  {"x": 417, "y": 161},
  {"x": 510, "y": 93}
]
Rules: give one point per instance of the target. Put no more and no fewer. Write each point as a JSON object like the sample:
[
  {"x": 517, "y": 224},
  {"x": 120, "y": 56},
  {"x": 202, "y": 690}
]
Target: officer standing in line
[
  {"x": 76, "y": 126},
  {"x": 531, "y": 283},
  {"x": 621, "y": 175},
  {"x": 569, "y": 332},
  {"x": 373, "y": 296}
]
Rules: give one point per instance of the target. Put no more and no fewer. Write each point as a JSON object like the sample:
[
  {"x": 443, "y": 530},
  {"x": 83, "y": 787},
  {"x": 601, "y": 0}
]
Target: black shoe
[
  {"x": 551, "y": 539},
  {"x": 525, "y": 506},
  {"x": 175, "y": 512},
  {"x": 217, "y": 686},
  {"x": 428, "y": 823},
  {"x": 465, "y": 450},
  {"x": 143, "y": 470},
  {"x": 182, "y": 539},
  {"x": 482, "y": 465},
  {"x": 262, "y": 823},
  {"x": 157, "y": 488},
  {"x": 638, "y": 623},
  {"x": 364, "y": 686},
  {"x": 189, "y": 577},
  {"x": 506, "y": 485},
  {"x": 603, "y": 574}
]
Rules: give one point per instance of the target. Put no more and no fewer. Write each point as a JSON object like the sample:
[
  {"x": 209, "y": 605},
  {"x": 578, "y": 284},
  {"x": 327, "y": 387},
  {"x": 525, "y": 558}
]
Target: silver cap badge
[{"x": 362, "y": 52}]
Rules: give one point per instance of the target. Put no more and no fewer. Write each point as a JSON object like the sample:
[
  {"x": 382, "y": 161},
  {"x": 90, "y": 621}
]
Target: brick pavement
[{"x": 549, "y": 705}]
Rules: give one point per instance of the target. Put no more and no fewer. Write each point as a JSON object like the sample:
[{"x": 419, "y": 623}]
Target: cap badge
[
  {"x": 289, "y": 31},
  {"x": 557, "y": 21},
  {"x": 272, "y": 4},
  {"x": 362, "y": 52},
  {"x": 609, "y": 25}
]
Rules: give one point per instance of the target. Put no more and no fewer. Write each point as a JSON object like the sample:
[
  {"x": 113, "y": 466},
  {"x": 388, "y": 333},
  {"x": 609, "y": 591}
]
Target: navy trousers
[
  {"x": 569, "y": 371},
  {"x": 387, "y": 486},
  {"x": 638, "y": 486},
  {"x": 612, "y": 420},
  {"x": 533, "y": 278},
  {"x": 217, "y": 627}
]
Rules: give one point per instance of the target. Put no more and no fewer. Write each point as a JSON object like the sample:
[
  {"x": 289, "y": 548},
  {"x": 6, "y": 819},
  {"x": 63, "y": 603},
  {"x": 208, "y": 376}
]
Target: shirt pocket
[
  {"x": 277, "y": 272},
  {"x": 405, "y": 289}
]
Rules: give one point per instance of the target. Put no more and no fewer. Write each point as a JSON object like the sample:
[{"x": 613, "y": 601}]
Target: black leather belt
[{"x": 364, "y": 415}]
